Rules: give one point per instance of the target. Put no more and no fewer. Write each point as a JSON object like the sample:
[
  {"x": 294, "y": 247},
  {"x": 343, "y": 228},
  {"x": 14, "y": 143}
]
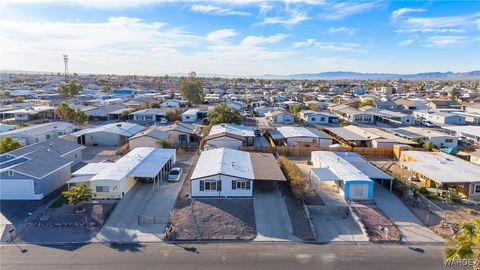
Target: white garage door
[
  {"x": 358, "y": 191},
  {"x": 16, "y": 190}
]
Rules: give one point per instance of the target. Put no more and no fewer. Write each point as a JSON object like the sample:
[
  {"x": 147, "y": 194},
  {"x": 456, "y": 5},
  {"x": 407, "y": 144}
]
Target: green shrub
[
  {"x": 431, "y": 196},
  {"x": 452, "y": 196},
  {"x": 423, "y": 190},
  {"x": 59, "y": 202}
]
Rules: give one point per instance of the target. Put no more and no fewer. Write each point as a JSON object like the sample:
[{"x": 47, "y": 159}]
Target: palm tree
[
  {"x": 64, "y": 111},
  {"x": 429, "y": 145},
  {"x": 79, "y": 117},
  {"x": 465, "y": 243},
  {"x": 77, "y": 195}
]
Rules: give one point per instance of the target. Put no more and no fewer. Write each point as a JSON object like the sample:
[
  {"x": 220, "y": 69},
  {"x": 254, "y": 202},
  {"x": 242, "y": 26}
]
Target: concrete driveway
[
  {"x": 271, "y": 214},
  {"x": 153, "y": 205},
  {"x": 411, "y": 228},
  {"x": 332, "y": 221}
]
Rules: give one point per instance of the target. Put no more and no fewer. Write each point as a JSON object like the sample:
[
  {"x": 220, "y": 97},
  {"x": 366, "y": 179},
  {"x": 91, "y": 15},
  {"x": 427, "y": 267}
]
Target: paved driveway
[
  {"x": 411, "y": 228},
  {"x": 271, "y": 215},
  {"x": 332, "y": 221},
  {"x": 153, "y": 204}
]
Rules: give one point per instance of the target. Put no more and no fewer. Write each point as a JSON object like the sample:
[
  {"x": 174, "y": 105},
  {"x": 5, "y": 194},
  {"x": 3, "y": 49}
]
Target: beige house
[
  {"x": 181, "y": 133},
  {"x": 148, "y": 138}
]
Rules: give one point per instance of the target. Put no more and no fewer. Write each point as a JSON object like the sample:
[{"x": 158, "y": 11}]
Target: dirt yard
[
  {"x": 379, "y": 227},
  {"x": 62, "y": 224},
  {"x": 210, "y": 219}
]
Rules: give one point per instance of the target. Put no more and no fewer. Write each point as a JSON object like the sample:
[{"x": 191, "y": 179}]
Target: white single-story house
[
  {"x": 440, "y": 139},
  {"x": 293, "y": 136},
  {"x": 313, "y": 117},
  {"x": 115, "y": 134},
  {"x": 440, "y": 117},
  {"x": 229, "y": 135},
  {"x": 280, "y": 117},
  {"x": 148, "y": 138},
  {"x": 148, "y": 115},
  {"x": 40, "y": 132},
  {"x": 190, "y": 115},
  {"x": 331, "y": 166},
  {"x": 226, "y": 172},
  {"x": 442, "y": 171},
  {"x": 182, "y": 133},
  {"x": 31, "y": 113},
  {"x": 114, "y": 180}
]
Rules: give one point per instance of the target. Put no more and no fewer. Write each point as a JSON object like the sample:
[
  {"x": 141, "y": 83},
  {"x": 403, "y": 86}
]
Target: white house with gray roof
[
  {"x": 226, "y": 172},
  {"x": 40, "y": 132},
  {"x": 34, "y": 171},
  {"x": 115, "y": 134}
]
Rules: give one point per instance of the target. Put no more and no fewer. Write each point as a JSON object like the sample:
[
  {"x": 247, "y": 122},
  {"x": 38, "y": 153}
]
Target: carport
[{"x": 155, "y": 167}]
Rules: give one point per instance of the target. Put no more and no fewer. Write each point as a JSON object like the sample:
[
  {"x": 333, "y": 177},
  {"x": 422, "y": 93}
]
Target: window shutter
[
  {"x": 202, "y": 185},
  {"x": 248, "y": 185},
  {"x": 234, "y": 184},
  {"x": 219, "y": 185}
]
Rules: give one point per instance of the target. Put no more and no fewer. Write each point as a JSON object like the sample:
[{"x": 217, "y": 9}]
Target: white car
[
  {"x": 163, "y": 121},
  {"x": 426, "y": 123},
  {"x": 174, "y": 175}
]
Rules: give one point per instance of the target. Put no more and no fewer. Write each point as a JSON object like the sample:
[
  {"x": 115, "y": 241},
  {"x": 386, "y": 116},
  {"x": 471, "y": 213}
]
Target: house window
[
  {"x": 10, "y": 173},
  {"x": 37, "y": 139},
  {"x": 322, "y": 119},
  {"x": 313, "y": 118},
  {"x": 477, "y": 188},
  {"x": 102, "y": 188},
  {"x": 241, "y": 184},
  {"x": 448, "y": 140},
  {"x": 183, "y": 138},
  {"x": 210, "y": 185},
  {"x": 48, "y": 136},
  {"x": 187, "y": 117}
]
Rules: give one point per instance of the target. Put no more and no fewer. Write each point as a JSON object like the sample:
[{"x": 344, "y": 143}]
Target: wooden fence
[{"x": 306, "y": 151}]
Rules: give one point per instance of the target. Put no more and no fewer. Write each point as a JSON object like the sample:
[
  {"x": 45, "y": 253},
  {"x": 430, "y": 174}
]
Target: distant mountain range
[{"x": 332, "y": 75}]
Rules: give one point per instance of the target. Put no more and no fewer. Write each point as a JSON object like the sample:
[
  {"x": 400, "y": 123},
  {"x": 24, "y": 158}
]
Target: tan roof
[{"x": 266, "y": 167}]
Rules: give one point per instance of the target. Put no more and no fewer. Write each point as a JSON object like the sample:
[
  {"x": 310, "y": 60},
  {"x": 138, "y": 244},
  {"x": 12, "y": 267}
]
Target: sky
[{"x": 239, "y": 37}]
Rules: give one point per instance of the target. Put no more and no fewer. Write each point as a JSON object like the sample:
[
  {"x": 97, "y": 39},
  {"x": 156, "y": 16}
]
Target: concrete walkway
[
  {"x": 153, "y": 204},
  {"x": 411, "y": 228},
  {"x": 271, "y": 214}
]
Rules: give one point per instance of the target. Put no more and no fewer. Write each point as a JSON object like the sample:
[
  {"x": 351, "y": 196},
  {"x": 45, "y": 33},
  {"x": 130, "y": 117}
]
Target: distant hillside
[{"x": 357, "y": 75}]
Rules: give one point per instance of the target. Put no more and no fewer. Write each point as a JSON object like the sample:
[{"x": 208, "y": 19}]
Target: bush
[
  {"x": 293, "y": 174},
  {"x": 423, "y": 190},
  {"x": 431, "y": 196},
  {"x": 452, "y": 196},
  {"x": 59, "y": 202}
]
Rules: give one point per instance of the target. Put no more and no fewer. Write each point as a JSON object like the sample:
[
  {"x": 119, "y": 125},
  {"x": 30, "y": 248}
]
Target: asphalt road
[{"x": 263, "y": 256}]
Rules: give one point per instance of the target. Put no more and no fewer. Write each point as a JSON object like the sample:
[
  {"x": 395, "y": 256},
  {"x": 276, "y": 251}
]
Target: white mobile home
[
  {"x": 353, "y": 183},
  {"x": 115, "y": 134},
  {"x": 114, "y": 180},
  {"x": 226, "y": 172},
  {"x": 190, "y": 115}
]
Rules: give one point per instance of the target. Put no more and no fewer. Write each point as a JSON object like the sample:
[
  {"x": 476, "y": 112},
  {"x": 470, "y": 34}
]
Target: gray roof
[
  {"x": 39, "y": 129},
  {"x": 40, "y": 159},
  {"x": 346, "y": 134},
  {"x": 153, "y": 132}
]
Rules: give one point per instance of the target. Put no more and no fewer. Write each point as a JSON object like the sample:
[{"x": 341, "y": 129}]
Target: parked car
[
  {"x": 426, "y": 123},
  {"x": 163, "y": 121},
  {"x": 175, "y": 174}
]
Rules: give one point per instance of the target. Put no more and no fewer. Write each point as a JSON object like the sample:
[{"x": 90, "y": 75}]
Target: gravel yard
[
  {"x": 300, "y": 222},
  {"x": 376, "y": 222},
  {"x": 210, "y": 219},
  {"x": 62, "y": 224}
]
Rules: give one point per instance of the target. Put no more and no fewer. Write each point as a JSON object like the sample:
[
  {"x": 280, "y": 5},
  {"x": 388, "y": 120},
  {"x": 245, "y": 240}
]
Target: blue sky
[{"x": 242, "y": 38}]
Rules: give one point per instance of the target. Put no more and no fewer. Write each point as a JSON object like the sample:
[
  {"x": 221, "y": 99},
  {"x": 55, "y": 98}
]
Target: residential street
[{"x": 224, "y": 256}]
